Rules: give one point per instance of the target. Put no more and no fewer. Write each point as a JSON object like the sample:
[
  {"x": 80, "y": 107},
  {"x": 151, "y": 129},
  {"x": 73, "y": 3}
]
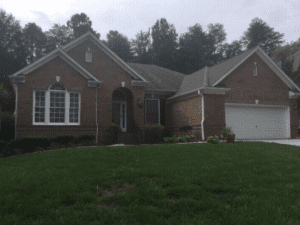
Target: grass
[{"x": 240, "y": 183}]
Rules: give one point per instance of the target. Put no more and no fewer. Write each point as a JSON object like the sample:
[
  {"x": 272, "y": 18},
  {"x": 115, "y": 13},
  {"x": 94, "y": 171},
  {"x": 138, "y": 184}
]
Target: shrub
[
  {"x": 153, "y": 133},
  {"x": 185, "y": 128},
  {"x": 84, "y": 138},
  {"x": 112, "y": 133},
  {"x": 7, "y": 126},
  {"x": 213, "y": 139},
  {"x": 63, "y": 139},
  {"x": 226, "y": 131},
  {"x": 3, "y": 144}
]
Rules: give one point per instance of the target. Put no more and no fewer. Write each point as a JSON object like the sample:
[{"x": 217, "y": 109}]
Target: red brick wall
[
  {"x": 214, "y": 115},
  {"x": 184, "y": 112},
  {"x": 103, "y": 68},
  {"x": 266, "y": 87}
]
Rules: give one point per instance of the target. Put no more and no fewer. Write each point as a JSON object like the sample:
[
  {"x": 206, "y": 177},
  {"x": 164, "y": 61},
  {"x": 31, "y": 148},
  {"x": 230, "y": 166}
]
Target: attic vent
[
  {"x": 88, "y": 55},
  {"x": 254, "y": 69}
]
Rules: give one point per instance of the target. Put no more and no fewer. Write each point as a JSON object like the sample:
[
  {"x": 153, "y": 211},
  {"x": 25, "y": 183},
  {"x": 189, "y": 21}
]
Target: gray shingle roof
[
  {"x": 195, "y": 80},
  {"x": 160, "y": 78}
]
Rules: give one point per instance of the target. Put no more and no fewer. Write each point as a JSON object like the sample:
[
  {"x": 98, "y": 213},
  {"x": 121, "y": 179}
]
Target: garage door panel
[{"x": 257, "y": 122}]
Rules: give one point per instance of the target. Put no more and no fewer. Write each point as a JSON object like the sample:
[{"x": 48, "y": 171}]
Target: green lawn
[{"x": 241, "y": 183}]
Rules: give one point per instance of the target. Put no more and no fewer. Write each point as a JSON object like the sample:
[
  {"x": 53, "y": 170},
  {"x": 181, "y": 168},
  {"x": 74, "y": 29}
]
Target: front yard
[{"x": 240, "y": 183}]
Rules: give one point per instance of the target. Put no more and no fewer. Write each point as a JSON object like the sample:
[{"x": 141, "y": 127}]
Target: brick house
[{"x": 83, "y": 86}]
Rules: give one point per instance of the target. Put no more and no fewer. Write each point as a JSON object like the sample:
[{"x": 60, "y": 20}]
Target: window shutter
[{"x": 152, "y": 111}]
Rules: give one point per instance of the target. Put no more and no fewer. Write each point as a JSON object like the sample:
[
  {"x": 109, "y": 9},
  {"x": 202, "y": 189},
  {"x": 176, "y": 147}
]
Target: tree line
[{"x": 160, "y": 45}]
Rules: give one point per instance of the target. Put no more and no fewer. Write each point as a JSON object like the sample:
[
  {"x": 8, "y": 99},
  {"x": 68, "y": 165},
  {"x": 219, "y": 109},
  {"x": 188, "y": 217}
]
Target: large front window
[{"x": 56, "y": 106}]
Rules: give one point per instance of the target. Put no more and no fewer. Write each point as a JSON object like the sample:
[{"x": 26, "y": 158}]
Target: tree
[
  {"x": 11, "y": 38},
  {"x": 141, "y": 48},
  {"x": 80, "y": 24},
  {"x": 195, "y": 50},
  {"x": 231, "y": 50},
  {"x": 287, "y": 66},
  {"x": 35, "y": 41},
  {"x": 13, "y": 54},
  {"x": 289, "y": 49},
  {"x": 259, "y": 33},
  {"x": 58, "y": 36},
  {"x": 164, "y": 38},
  {"x": 217, "y": 35},
  {"x": 120, "y": 45},
  {"x": 3, "y": 95}
]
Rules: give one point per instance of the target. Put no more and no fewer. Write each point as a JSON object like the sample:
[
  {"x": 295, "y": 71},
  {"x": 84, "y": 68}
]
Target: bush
[
  {"x": 153, "y": 133},
  {"x": 85, "y": 138},
  {"x": 226, "y": 131},
  {"x": 185, "y": 128},
  {"x": 112, "y": 133},
  {"x": 7, "y": 126},
  {"x": 213, "y": 139},
  {"x": 63, "y": 139}
]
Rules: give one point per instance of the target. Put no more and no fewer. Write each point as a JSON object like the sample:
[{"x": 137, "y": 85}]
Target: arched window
[
  {"x": 57, "y": 87},
  {"x": 56, "y": 106}
]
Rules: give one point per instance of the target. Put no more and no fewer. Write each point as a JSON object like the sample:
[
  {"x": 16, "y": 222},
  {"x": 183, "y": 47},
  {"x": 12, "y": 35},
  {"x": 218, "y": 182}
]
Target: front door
[{"x": 119, "y": 114}]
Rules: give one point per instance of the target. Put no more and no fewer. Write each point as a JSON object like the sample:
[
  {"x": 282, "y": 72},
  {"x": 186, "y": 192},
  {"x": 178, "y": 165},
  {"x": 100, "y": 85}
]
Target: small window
[
  {"x": 88, "y": 55},
  {"x": 254, "y": 69}
]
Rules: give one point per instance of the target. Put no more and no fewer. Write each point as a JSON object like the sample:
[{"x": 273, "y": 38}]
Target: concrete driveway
[{"x": 292, "y": 142}]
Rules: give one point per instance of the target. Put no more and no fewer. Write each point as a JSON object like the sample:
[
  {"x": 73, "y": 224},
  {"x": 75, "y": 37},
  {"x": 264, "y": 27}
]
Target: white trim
[
  {"x": 269, "y": 62},
  {"x": 236, "y": 66},
  {"x": 158, "y": 108},
  {"x": 254, "y": 105},
  {"x": 47, "y": 107},
  {"x": 104, "y": 48},
  {"x": 121, "y": 103},
  {"x": 205, "y": 90},
  {"x": 286, "y": 117},
  {"x": 52, "y": 55}
]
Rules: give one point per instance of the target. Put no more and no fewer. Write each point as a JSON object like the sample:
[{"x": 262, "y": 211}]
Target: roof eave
[
  {"x": 50, "y": 56},
  {"x": 106, "y": 49}
]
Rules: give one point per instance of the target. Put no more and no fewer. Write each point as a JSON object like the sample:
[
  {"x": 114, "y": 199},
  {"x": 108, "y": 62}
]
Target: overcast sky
[{"x": 129, "y": 17}]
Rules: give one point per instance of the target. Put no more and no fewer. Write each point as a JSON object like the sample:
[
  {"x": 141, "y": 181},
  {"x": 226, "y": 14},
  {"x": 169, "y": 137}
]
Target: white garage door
[{"x": 256, "y": 122}]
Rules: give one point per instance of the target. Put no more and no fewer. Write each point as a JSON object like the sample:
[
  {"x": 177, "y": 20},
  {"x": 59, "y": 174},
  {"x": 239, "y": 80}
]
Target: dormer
[
  {"x": 254, "y": 69},
  {"x": 88, "y": 55}
]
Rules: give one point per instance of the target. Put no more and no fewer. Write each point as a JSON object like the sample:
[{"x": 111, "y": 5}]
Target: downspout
[
  {"x": 98, "y": 86},
  {"x": 16, "y": 86},
  {"x": 16, "y": 110},
  {"x": 202, "y": 122},
  {"x": 206, "y": 83}
]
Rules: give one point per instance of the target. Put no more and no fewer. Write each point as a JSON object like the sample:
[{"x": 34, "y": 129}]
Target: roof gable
[
  {"x": 49, "y": 57},
  {"x": 218, "y": 73},
  {"x": 106, "y": 50}
]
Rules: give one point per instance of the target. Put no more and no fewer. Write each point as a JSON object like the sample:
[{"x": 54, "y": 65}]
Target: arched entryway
[{"x": 122, "y": 108}]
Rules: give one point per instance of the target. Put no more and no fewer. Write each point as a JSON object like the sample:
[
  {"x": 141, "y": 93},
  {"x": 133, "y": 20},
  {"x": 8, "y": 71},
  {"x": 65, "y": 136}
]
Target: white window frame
[
  {"x": 47, "y": 108},
  {"x": 154, "y": 99}
]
